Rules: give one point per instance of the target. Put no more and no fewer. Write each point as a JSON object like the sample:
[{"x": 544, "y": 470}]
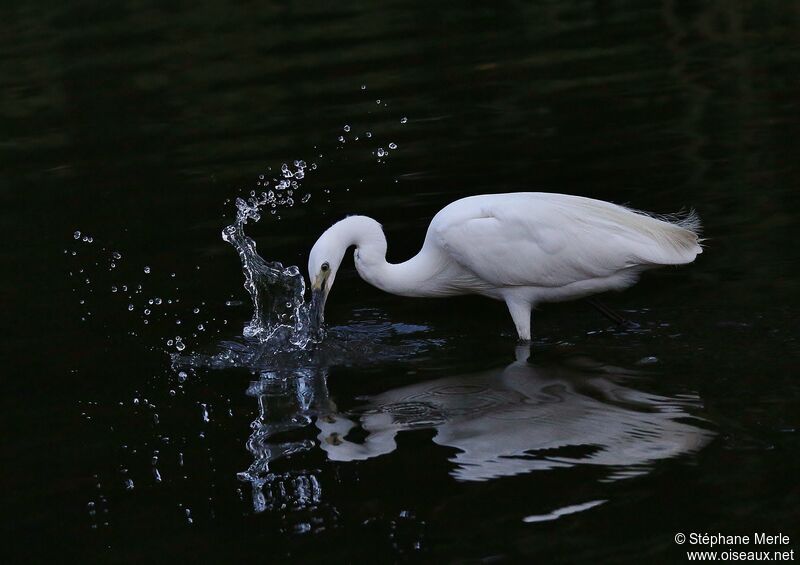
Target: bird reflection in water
[
  {"x": 502, "y": 422},
  {"x": 525, "y": 418}
]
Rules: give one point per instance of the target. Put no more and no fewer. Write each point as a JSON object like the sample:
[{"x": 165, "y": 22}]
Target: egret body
[{"x": 522, "y": 248}]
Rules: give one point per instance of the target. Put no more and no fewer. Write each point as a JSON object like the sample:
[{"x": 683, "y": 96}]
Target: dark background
[{"x": 137, "y": 122}]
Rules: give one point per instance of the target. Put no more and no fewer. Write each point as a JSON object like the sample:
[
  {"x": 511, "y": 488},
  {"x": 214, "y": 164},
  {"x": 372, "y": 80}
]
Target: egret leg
[
  {"x": 521, "y": 314},
  {"x": 611, "y": 314}
]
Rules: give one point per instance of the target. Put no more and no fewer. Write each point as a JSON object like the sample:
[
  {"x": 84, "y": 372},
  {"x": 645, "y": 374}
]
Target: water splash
[{"x": 281, "y": 316}]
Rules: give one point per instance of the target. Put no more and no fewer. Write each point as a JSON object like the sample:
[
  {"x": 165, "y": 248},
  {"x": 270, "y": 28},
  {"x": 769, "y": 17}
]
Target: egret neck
[{"x": 415, "y": 277}]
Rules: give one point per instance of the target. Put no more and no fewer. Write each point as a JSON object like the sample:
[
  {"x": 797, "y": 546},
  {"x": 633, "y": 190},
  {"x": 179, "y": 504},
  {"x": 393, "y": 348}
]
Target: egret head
[{"x": 323, "y": 263}]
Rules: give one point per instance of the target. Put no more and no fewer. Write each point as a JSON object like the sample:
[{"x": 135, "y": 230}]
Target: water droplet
[
  {"x": 76, "y": 235},
  {"x": 179, "y": 345},
  {"x": 146, "y": 312},
  {"x": 647, "y": 360},
  {"x": 196, "y": 310},
  {"x": 378, "y": 101},
  {"x": 305, "y": 198},
  {"x": 147, "y": 270},
  {"x": 130, "y": 307},
  {"x": 392, "y": 146},
  {"x": 129, "y": 484},
  {"x": 403, "y": 120},
  {"x": 381, "y": 152},
  {"x": 341, "y": 139},
  {"x": 182, "y": 376},
  {"x": 113, "y": 289},
  {"x": 368, "y": 134},
  {"x": 346, "y": 128},
  {"x": 116, "y": 255},
  {"x": 363, "y": 87}
]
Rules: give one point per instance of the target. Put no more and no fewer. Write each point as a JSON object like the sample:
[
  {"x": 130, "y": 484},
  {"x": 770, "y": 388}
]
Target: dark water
[{"x": 418, "y": 432}]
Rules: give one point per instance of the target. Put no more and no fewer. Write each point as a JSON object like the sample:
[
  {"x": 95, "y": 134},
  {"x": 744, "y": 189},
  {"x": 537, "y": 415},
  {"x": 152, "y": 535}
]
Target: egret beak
[{"x": 318, "y": 296}]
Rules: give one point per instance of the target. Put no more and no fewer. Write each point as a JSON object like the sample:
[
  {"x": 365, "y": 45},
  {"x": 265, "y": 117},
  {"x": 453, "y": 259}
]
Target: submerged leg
[
  {"x": 521, "y": 314},
  {"x": 611, "y": 314},
  {"x": 522, "y": 352}
]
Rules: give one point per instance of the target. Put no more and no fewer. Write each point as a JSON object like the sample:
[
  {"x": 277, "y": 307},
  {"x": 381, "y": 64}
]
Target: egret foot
[{"x": 612, "y": 314}]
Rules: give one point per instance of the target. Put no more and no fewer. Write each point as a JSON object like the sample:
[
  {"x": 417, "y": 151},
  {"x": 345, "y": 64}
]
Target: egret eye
[{"x": 325, "y": 267}]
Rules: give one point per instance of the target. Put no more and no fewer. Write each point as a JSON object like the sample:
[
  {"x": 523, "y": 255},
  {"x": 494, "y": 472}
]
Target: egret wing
[{"x": 538, "y": 239}]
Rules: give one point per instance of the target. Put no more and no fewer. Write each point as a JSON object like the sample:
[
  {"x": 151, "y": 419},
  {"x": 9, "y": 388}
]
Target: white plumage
[{"x": 523, "y": 248}]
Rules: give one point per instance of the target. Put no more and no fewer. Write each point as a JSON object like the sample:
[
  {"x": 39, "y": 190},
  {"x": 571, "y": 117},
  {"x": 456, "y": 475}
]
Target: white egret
[{"x": 522, "y": 248}]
